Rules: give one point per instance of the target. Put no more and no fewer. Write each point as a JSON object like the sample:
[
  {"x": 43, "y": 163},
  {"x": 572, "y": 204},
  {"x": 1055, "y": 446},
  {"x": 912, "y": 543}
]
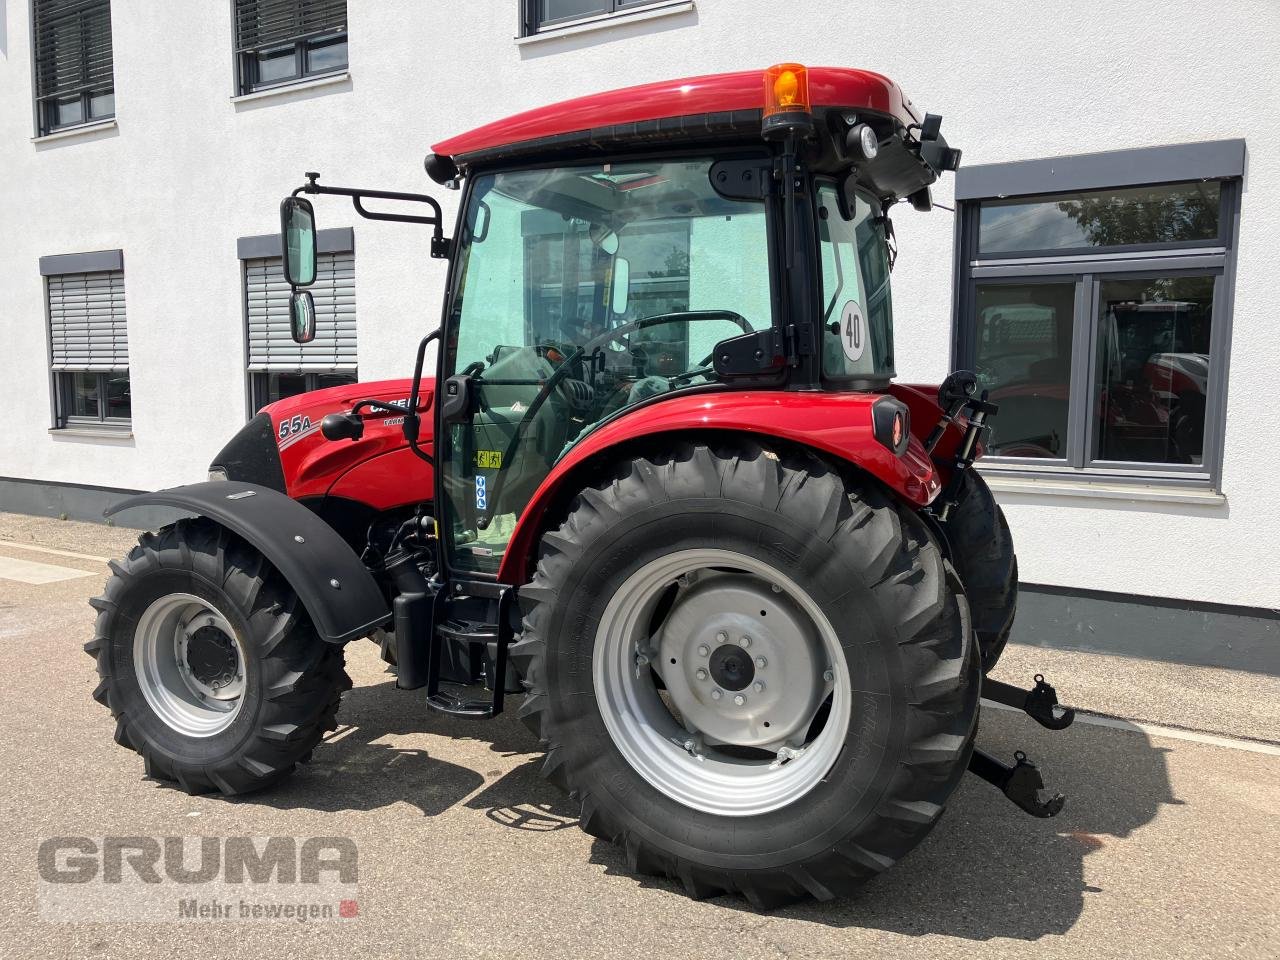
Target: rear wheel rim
[
  {"x": 190, "y": 665},
  {"x": 740, "y": 728}
]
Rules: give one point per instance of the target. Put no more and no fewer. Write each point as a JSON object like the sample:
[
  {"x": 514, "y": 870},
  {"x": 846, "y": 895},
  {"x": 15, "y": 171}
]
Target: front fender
[
  {"x": 343, "y": 600},
  {"x": 835, "y": 423}
]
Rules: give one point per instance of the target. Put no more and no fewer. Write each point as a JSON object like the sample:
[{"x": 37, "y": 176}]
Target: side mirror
[
  {"x": 621, "y": 291},
  {"x": 298, "y": 241},
  {"x": 342, "y": 426},
  {"x": 302, "y": 316}
]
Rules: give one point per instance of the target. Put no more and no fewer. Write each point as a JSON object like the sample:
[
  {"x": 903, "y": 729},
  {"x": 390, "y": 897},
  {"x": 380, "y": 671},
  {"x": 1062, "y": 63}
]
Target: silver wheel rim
[
  {"x": 747, "y": 749},
  {"x": 174, "y": 641}
]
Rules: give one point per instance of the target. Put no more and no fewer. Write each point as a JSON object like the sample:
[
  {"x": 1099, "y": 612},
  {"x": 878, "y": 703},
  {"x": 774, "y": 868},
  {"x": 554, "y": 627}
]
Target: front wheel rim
[
  {"x": 190, "y": 665},
  {"x": 754, "y": 711}
]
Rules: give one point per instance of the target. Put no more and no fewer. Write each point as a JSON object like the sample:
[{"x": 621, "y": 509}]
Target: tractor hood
[{"x": 283, "y": 448}]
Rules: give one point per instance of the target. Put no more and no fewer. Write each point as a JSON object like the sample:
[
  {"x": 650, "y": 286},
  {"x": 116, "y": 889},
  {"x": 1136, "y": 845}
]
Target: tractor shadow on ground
[
  {"x": 989, "y": 870},
  {"x": 523, "y": 800},
  {"x": 353, "y": 769}
]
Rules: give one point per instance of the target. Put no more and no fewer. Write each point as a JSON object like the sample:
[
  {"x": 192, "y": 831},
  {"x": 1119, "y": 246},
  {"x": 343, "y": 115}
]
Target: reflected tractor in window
[{"x": 660, "y": 492}]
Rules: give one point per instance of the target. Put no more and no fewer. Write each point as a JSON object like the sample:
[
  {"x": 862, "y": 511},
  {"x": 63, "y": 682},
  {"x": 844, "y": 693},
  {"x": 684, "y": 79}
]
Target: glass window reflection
[
  {"x": 1023, "y": 357},
  {"x": 1166, "y": 213},
  {"x": 1152, "y": 368}
]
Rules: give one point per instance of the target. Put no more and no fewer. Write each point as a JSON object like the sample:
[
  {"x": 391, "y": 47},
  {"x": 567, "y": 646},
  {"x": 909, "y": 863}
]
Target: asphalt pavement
[{"x": 1167, "y": 847}]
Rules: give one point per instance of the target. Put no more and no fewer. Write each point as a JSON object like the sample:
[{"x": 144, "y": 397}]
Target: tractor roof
[{"x": 710, "y": 105}]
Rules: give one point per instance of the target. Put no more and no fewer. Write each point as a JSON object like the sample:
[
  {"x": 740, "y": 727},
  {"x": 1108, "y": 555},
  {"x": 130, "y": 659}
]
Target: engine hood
[{"x": 283, "y": 447}]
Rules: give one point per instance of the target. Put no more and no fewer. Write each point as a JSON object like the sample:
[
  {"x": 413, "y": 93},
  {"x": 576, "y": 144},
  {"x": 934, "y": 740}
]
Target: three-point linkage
[{"x": 1022, "y": 782}]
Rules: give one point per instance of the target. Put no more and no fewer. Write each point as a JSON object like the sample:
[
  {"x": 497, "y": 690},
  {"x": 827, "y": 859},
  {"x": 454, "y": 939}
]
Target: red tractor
[{"x": 662, "y": 485}]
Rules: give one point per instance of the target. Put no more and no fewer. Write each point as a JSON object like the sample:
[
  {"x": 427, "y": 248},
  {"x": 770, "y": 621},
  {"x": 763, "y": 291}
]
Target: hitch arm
[
  {"x": 1040, "y": 703},
  {"x": 1021, "y": 783}
]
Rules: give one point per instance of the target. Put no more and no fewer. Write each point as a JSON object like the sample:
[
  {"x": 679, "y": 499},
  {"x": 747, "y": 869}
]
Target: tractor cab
[{"x": 720, "y": 233}]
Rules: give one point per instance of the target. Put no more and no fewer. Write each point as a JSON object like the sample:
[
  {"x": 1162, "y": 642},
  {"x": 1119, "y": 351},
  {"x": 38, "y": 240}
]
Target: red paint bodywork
[
  {"x": 836, "y": 423},
  {"x": 379, "y": 469},
  {"x": 828, "y": 87}
]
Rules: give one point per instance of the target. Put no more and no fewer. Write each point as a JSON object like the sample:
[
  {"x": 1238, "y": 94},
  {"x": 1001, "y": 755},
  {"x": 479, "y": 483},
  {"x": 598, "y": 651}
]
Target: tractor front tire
[
  {"x": 209, "y": 663},
  {"x": 739, "y": 587},
  {"x": 982, "y": 553}
]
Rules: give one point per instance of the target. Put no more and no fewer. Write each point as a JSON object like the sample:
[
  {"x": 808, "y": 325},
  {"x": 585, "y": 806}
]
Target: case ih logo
[{"x": 149, "y": 879}]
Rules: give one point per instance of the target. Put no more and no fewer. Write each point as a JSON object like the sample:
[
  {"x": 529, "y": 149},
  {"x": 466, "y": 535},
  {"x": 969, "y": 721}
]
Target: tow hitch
[
  {"x": 1040, "y": 703},
  {"x": 1022, "y": 782}
]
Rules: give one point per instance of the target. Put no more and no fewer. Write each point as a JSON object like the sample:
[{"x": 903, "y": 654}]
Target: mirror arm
[{"x": 440, "y": 246}]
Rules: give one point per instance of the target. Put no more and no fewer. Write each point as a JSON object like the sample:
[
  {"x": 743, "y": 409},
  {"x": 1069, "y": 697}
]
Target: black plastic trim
[
  {"x": 252, "y": 456},
  {"x": 883, "y": 412},
  {"x": 309, "y": 553}
]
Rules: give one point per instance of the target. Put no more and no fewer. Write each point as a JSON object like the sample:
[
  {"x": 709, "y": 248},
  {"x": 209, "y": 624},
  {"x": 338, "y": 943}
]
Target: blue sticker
[{"x": 482, "y": 496}]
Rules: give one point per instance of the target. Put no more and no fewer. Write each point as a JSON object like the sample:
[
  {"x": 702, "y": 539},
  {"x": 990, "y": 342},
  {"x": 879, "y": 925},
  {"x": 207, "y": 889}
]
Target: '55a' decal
[
  {"x": 292, "y": 430},
  {"x": 298, "y": 424}
]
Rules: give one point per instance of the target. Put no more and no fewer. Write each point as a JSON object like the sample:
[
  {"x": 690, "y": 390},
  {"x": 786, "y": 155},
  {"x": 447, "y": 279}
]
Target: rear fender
[
  {"x": 838, "y": 424},
  {"x": 922, "y": 401},
  {"x": 341, "y": 597}
]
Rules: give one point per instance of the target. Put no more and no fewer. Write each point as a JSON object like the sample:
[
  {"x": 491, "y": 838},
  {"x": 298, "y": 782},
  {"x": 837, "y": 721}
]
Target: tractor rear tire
[
  {"x": 982, "y": 553},
  {"x": 903, "y": 675},
  {"x": 209, "y": 663}
]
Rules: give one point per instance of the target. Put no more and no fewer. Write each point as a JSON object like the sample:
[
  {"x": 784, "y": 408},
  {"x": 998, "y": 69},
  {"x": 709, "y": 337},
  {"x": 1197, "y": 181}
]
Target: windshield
[
  {"x": 857, "y": 310},
  {"x": 584, "y": 290}
]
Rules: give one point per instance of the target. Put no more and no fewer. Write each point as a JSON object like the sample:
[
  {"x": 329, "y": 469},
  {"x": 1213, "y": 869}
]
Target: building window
[
  {"x": 539, "y": 15},
  {"x": 277, "y": 366},
  {"x": 1098, "y": 319},
  {"x": 283, "y": 41},
  {"x": 73, "y": 72},
  {"x": 89, "y": 349}
]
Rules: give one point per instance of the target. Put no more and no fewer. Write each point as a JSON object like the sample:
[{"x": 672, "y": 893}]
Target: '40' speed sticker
[
  {"x": 482, "y": 493},
  {"x": 853, "y": 331}
]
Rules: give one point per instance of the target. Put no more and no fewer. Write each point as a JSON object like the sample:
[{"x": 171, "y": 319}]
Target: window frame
[
  {"x": 245, "y": 62},
  {"x": 333, "y": 240},
  {"x": 1086, "y": 270},
  {"x": 64, "y": 387},
  {"x": 260, "y": 384},
  {"x": 44, "y": 105},
  {"x": 61, "y": 379},
  {"x": 532, "y": 23}
]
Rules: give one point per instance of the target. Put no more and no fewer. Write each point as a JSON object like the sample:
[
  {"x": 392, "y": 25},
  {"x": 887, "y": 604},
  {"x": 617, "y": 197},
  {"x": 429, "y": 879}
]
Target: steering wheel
[
  {"x": 593, "y": 345},
  {"x": 596, "y": 342}
]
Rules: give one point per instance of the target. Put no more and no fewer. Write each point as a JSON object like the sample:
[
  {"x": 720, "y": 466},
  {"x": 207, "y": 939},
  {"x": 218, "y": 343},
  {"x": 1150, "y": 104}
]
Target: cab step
[
  {"x": 476, "y": 708},
  {"x": 477, "y": 636}
]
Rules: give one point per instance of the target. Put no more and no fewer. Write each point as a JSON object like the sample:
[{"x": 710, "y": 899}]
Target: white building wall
[{"x": 186, "y": 171}]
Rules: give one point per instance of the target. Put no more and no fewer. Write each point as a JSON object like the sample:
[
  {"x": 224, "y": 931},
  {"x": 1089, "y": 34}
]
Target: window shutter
[
  {"x": 87, "y": 328},
  {"x": 267, "y": 23},
  {"x": 72, "y": 46},
  {"x": 271, "y": 346}
]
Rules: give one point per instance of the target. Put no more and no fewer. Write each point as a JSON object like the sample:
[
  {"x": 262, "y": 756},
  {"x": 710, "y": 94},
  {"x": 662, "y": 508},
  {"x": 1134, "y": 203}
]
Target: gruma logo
[{"x": 202, "y": 879}]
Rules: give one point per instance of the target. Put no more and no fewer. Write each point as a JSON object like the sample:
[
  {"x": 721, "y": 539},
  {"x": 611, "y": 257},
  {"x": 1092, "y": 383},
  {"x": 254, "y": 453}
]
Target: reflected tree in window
[{"x": 1155, "y": 215}]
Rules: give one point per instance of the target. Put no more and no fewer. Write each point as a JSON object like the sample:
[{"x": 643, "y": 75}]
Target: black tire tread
[
  {"x": 304, "y": 677},
  {"x": 912, "y": 582},
  {"x": 983, "y": 554}
]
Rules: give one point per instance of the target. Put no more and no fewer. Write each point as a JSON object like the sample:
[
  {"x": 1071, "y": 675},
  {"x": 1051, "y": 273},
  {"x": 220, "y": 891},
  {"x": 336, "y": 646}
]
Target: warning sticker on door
[
  {"x": 853, "y": 331},
  {"x": 482, "y": 492}
]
